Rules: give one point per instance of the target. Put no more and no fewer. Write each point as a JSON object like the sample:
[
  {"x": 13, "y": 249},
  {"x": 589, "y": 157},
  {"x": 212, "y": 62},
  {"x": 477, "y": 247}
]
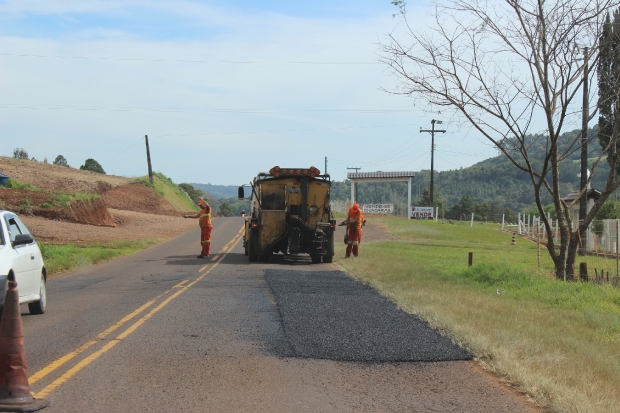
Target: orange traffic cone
[{"x": 14, "y": 388}]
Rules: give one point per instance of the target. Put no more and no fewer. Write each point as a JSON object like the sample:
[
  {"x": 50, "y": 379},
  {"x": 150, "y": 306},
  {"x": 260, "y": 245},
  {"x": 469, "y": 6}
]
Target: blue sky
[{"x": 224, "y": 89}]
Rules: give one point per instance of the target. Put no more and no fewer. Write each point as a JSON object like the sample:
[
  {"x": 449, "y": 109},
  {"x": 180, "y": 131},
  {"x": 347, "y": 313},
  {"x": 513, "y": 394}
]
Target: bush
[
  {"x": 20, "y": 153},
  {"x": 60, "y": 161},
  {"x": 92, "y": 165}
]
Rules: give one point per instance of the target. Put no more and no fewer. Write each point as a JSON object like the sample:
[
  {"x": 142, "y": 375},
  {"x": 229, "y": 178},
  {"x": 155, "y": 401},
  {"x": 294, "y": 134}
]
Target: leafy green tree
[
  {"x": 193, "y": 193},
  {"x": 20, "y": 153},
  {"x": 92, "y": 165},
  {"x": 225, "y": 209},
  {"x": 495, "y": 212},
  {"x": 609, "y": 210},
  {"x": 60, "y": 161},
  {"x": 510, "y": 215},
  {"x": 481, "y": 212},
  {"x": 467, "y": 205}
]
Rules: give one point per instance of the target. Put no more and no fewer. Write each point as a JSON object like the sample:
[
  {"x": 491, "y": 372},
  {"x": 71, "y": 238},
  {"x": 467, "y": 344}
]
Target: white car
[{"x": 20, "y": 255}]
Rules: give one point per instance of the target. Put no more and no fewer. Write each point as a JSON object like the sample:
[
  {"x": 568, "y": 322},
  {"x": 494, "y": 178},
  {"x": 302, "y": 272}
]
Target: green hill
[{"x": 494, "y": 180}]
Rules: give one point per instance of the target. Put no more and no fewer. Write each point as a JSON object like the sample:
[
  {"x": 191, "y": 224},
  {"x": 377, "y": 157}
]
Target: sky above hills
[{"x": 223, "y": 89}]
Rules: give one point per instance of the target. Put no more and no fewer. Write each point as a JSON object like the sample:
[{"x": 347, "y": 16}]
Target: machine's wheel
[
  {"x": 329, "y": 257},
  {"x": 316, "y": 258},
  {"x": 38, "y": 307},
  {"x": 264, "y": 258},
  {"x": 252, "y": 246},
  {"x": 246, "y": 248}
]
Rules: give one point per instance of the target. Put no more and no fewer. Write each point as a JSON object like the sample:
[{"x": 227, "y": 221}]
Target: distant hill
[
  {"x": 492, "y": 180},
  {"x": 217, "y": 191}
]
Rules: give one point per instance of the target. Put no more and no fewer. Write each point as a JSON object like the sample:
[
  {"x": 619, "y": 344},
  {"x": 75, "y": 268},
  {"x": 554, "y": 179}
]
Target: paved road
[{"x": 162, "y": 331}]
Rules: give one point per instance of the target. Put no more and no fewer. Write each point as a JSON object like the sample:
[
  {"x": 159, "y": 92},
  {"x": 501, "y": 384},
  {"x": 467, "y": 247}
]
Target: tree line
[{"x": 89, "y": 164}]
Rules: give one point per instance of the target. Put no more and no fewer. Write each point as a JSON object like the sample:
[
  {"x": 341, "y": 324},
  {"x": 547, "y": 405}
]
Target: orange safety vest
[
  {"x": 355, "y": 213},
  {"x": 204, "y": 219}
]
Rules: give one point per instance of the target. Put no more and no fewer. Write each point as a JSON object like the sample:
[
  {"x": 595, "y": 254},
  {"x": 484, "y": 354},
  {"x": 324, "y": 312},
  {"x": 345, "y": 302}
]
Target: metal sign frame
[{"x": 399, "y": 176}]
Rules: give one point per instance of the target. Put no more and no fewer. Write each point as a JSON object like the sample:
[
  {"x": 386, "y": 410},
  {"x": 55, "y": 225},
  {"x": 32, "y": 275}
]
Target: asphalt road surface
[{"x": 162, "y": 331}]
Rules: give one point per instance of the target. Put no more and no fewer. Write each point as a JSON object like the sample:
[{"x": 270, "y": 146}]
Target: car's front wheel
[{"x": 38, "y": 307}]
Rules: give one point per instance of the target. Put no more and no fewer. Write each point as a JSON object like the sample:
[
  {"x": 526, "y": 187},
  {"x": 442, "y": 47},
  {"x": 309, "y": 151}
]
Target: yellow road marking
[
  {"x": 73, "y": 371},
  {"x": 180, "y": 285},
  {"x": 130, "y": 316},
  {"x": 62, "y": 360},
  {"x": 47, "y": 370}
]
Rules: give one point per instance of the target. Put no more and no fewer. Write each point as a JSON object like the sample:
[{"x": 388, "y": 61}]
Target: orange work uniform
[
  {"x": 354, "y": 221},
  {"x": 204, "y": 220}
]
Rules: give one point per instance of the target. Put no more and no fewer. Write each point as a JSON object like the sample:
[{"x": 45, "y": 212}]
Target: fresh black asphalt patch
[{"x": 329, "y": 315}]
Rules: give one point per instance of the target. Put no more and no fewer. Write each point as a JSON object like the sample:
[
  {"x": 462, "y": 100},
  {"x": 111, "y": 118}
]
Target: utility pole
[
  {"x": 148, "y": 159},
  {"x": 583, "y": 202},
  {"x": 325, "y": 166},
  {"x": 432, "y": 132},
  {"x": 353, "y": 187}
]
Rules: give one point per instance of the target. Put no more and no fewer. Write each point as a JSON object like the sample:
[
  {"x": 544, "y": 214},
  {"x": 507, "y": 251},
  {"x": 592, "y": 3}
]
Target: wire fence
[{"x": 598, "y": 255}]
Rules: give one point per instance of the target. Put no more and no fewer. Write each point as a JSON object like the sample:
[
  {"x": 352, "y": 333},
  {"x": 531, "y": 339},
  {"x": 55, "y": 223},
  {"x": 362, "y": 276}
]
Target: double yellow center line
[{"x": 179, "y": 289}]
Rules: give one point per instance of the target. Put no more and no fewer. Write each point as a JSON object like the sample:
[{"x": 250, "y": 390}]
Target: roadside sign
[
  {"x": 377, "y": 208},
  {"x": 421, "y": 212}
]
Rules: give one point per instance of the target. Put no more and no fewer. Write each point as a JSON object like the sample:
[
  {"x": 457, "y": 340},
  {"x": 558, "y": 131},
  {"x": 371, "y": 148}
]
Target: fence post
[
  {"x": 503, "y": 215},
  {"x": 538, "y": 245},
  {"x": 472, "y": 220},
  {"x": 471, "y": 259},
  {"x": 583, "y": 271},
  {"x": 519, "y": 222}
]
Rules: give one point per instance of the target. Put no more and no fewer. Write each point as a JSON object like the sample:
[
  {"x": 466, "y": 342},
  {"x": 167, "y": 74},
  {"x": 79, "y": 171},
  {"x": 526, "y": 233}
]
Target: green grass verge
[
  {"x": 169, "y": 190},
  {"x": 60, "y": 258},
  {"x": 13, "y": 184},
  {"x": 61, "y": 199},
  {"x": 65, "y": 199},
  {"x": 558, "y": 342}
]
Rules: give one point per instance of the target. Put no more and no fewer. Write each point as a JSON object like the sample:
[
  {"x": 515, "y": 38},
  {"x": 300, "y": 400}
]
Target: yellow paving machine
[{"x": 290, "y": 214}]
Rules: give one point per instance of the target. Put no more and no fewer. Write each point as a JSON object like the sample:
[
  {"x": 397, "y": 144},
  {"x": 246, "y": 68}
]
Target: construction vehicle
[{"x": 290, "y": 214}]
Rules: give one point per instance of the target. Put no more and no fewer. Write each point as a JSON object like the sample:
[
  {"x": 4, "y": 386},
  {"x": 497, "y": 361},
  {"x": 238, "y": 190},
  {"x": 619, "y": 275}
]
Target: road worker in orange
[
  {"x": 354, "y": 222},
  {"x": 204, "y": 220}
]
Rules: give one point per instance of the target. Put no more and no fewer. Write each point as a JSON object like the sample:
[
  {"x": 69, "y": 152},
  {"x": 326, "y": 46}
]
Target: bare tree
[{"x": 513, "y": 70}]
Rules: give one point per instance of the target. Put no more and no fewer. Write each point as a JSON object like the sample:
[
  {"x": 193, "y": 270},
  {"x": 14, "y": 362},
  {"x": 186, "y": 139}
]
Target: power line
[
  {"x": 277, "y": 131},
  {"x": 239, "y": 62},
  {"x": 184, "y": 110}
]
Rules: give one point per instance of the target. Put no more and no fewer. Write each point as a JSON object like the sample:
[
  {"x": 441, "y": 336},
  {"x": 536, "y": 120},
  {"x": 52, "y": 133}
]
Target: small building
[{"x": 592, "y": 196}]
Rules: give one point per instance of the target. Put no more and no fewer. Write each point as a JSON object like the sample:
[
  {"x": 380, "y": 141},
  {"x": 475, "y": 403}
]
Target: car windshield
[{"x": 2, "y": 242}]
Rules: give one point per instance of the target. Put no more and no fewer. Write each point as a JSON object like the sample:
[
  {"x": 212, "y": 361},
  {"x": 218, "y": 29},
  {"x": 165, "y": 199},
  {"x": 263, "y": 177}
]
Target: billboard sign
[
  {"x": 377, "y": 208},
  {"x": 416, "y": 212}
]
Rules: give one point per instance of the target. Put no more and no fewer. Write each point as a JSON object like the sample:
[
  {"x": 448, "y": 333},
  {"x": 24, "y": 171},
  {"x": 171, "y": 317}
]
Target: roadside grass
[
  {"x": 64, "y": 199},
  {"x": 60, "y": 258},
  {"x": 14, "y": 184},
  {"x": 557, "y": 342},
  {"x": 61, "y": 199},
  {"x": 166, "y": 188}
]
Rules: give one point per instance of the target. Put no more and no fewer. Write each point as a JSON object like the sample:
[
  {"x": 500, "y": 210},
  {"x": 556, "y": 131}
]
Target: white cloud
[{"x": 102, "y": 108}]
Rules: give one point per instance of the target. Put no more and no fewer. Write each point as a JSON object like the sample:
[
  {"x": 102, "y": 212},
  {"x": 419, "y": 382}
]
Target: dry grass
[{"x": 559, "y": 343}]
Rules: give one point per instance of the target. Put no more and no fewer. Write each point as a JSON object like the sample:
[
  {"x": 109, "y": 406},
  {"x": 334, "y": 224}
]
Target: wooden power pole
[
  {"x": 148, "y": 159},
  {"x": 583, "y": 201},
  {"x": 433, "y": 131}
]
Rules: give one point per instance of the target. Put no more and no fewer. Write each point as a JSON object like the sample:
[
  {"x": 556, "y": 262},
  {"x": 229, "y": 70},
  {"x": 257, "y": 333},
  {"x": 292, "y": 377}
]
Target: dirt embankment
[
  {"x": 41, "y": 203},
  {"x": 122, "y": 203}
]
